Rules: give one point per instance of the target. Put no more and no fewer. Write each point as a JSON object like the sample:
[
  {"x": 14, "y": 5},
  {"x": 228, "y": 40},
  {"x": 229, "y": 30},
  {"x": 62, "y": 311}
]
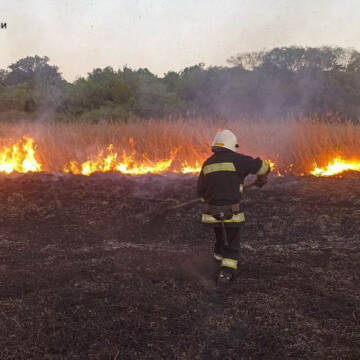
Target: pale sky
[{"x": 80, "y": 35}]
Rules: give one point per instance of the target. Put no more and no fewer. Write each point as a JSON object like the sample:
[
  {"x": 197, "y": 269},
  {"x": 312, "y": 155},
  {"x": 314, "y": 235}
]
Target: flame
[
  {"x": 336, "y": 166},
  {"x": 19, "y": 157},
  {"x": 271, "y": 164},
  {"x": 129, "y": 163},
  {"x": 112, "y": 162},
  {"x": 129, "y": 166},
  {"x": 284, "y": 170},
  {"x": 188, "y": 169},
  {"x": 101, "y": 163}
]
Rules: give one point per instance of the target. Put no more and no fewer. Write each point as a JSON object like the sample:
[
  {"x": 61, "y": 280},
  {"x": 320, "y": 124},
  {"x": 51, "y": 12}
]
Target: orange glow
[
  {"x": 23, "y": 157},
  {"x": 336, "y": 166},
  {"x": 125, "y": 164},
  {"x": 188, "y": 169},
  {"x": 19, "y": 157},
  {"x": 129, "y": 164}
]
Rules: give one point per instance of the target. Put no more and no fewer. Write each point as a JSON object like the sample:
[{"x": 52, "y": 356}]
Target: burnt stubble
[{"x": 82, "y": 277}]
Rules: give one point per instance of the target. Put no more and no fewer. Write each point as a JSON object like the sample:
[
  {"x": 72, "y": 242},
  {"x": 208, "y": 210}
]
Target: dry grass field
[{"x": 294, "y": 146}]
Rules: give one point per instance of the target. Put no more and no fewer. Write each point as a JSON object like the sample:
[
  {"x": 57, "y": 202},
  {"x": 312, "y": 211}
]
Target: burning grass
[
  {"x": 158, "y": 146},
  {"x": 19, "y": 157}
]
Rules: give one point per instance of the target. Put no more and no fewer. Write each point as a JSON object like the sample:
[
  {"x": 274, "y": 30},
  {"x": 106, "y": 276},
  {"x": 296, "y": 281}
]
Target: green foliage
[
  {"x": 109, "y": 113},
  {"x": 267, "y": 84},
  {"x": 33, "y": 70},
  {"x": 151, "y": 95},
  {"x": 37, "y": 83},
  {"x": 101, "y": 88},
  {"x": 17, "y": 97}
]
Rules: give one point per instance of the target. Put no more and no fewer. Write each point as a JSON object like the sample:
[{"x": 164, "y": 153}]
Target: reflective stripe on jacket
[{"x": 223, "y": 173}]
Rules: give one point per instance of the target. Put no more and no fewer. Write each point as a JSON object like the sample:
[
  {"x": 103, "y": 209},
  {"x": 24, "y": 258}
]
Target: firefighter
[{"x": 220, "y": 185}]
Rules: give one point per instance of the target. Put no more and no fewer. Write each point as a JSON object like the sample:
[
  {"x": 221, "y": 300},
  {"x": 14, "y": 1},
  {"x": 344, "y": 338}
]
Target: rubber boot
[
  {"x": 226, "y": 275},
  {"x": 225, "y": 279}
]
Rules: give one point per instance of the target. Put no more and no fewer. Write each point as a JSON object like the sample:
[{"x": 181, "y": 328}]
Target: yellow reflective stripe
[
  {"x": 229, "y": 263},
  {"x": 225, "y": 166},
  {"x": 236, "y": 218},
  {"x": 218, "y": 257},
  {"x": 264, "y": 169},
  {"x": 219, "y": 144}
]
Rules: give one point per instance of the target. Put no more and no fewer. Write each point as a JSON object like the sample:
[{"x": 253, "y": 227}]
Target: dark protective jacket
[{"x": 223, "y": 173}]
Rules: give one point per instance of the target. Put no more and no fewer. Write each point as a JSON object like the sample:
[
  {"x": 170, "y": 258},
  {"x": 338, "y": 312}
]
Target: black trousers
[{"x": 231, "y": 250}]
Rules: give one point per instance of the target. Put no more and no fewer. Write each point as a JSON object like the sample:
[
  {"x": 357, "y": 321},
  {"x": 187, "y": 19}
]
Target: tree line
[{"x": 268, "y": 84}]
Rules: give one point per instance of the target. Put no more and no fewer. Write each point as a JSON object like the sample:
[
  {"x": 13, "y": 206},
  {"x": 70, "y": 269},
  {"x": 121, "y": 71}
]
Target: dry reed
[{"x": 286, "y": 142}]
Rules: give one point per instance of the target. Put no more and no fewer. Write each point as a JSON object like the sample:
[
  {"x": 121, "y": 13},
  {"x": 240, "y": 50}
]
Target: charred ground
[{"x": 83, "y": 276}]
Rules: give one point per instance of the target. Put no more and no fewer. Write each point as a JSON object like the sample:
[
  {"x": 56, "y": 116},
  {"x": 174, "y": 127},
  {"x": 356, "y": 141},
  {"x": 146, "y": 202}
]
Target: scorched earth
[{"x": 84, "y": 276}]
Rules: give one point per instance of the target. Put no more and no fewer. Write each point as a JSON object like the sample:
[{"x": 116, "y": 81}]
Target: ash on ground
[{"x": 84, "y": 276}]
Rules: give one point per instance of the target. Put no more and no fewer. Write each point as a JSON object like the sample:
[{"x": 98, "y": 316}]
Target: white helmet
[{"x": 225, "y": 139}]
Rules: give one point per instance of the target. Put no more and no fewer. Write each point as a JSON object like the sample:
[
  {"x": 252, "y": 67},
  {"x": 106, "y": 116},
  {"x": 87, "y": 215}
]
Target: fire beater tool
[{"x": 157, "y": 221}]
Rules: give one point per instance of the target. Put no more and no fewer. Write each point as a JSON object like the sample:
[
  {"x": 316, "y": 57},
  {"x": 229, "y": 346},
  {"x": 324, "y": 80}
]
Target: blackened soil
[{"x": 83, "y": 275}]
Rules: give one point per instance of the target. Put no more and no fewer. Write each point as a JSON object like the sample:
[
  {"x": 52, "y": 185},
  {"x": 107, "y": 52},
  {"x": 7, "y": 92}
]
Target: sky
[{"x": 81, "y": 35}]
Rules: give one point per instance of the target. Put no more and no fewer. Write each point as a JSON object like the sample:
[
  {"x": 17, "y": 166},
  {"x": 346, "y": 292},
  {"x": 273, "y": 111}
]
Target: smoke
[
  {"x": 293, "y": 145},
  {"x": 290, "y": 81}
]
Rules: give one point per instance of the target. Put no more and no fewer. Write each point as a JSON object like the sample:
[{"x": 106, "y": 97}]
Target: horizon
[
  {"x": 167, "y": 36},
  {"x": 206, "y": 66}
]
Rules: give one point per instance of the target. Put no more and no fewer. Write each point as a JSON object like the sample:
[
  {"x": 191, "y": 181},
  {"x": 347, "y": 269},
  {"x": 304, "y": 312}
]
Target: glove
[{"x": 260, "y": 181}]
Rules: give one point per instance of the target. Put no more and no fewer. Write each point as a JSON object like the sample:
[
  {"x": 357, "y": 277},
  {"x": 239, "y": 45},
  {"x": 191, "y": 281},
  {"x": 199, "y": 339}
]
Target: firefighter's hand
[{"x": 260, "y": 181}]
